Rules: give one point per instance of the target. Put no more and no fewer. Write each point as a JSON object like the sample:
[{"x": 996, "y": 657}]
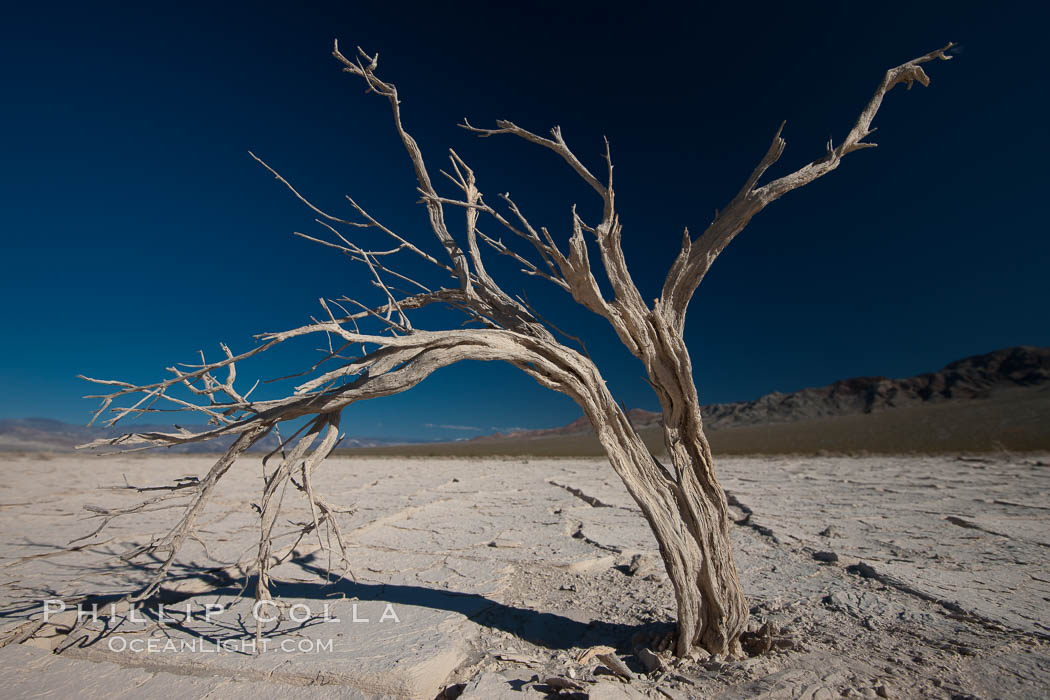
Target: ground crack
[
  {"x": 954, "y": 610},
  {"x": 746, "y": 520},
  {"x": 579, "y": 535},
  {"x": 589, "y": 500}
]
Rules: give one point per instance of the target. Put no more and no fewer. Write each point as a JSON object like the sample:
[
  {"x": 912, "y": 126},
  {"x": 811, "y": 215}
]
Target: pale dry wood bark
[{"x": 682, "y": 501}]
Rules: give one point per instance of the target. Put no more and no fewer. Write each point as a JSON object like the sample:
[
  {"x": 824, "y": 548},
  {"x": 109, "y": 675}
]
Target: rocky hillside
[{"x": 980, "y": 376}]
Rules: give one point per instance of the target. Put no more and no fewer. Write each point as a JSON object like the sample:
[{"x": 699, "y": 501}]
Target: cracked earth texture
[{"x": 491, "y": 577}]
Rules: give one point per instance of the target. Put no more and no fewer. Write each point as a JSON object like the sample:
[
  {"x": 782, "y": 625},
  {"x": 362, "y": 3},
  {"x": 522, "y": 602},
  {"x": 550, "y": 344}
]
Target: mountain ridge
[
  {"x": 1011, "y": 374},
  {"x": 973, "y": 377}
]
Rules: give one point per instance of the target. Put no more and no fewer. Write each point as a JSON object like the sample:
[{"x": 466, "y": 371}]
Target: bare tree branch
[{"x": 697, "y": 256}]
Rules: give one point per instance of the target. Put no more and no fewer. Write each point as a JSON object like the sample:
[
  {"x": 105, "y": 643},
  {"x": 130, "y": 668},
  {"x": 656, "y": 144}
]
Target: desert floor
[{"x": 880, "y": 577}]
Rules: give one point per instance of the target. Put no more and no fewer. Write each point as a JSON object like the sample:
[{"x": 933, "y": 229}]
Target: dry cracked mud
[{"x": 511, "y": 577}]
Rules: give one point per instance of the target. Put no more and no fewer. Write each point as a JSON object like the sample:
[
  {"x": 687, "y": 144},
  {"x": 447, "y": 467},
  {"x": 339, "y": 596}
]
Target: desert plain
[{"x": 505, "y": 577}]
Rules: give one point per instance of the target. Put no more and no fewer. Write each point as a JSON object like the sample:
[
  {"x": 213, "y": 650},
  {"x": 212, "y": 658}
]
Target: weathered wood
[{"x": 683, "y": 502}]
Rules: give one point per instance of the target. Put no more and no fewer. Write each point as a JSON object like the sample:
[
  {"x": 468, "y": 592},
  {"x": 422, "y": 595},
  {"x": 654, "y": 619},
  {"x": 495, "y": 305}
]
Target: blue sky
[{"x": 136, "y": 229}]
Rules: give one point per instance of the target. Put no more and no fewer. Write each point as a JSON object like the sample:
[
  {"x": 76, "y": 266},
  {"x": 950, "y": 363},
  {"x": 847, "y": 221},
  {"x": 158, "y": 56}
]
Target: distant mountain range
[
  {"x": 47, "y": 435},
  {"x": 976, "y": 377},
  {"x": 999, "y": 399}
]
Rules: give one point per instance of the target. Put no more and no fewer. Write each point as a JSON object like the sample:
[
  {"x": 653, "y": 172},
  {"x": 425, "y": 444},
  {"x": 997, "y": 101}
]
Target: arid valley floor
[{"x": 879, "y": 577}]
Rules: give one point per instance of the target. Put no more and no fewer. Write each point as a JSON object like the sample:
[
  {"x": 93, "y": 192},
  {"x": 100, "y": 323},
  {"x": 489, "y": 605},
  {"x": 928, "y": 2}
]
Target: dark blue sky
[{"x": 136, "y": 229}]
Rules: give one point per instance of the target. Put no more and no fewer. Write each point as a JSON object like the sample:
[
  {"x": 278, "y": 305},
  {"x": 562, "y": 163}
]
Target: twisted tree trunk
[
  {"x": 712, "y": 611},
  {"x": 691, "y": 525},
  {"x": 685, "y": 507}
]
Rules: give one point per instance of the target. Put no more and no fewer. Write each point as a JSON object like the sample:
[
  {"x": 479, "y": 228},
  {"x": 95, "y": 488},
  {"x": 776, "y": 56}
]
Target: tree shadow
[{"x": 544, "y": 629}]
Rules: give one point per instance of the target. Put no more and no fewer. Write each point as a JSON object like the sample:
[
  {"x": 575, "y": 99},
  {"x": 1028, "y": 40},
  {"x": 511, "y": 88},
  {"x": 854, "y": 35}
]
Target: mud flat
[{"x": 868, "y": 577}]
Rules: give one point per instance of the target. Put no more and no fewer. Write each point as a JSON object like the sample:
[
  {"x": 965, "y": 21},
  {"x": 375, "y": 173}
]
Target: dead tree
[{"x": 682, "y": 500}]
